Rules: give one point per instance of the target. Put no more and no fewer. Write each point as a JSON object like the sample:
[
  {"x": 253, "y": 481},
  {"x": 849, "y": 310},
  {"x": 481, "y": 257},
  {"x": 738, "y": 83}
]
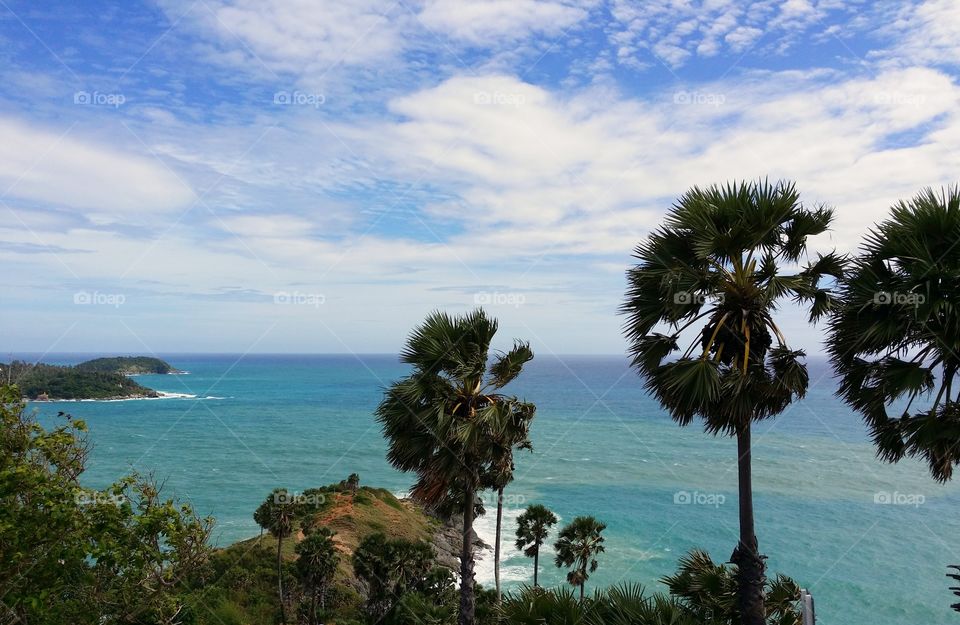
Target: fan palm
[
  {"x": 443, "y": 421},
  {"x": 533, "y": 527},
  {"x": 577, "y": 546},
  {"x": 712, "y": 275},
  {"x": 276, "y": 515},
  {"x": 896, "y": 334},
  {"x": 316, "y": 567},
  {"x": 514, "y": 434}
]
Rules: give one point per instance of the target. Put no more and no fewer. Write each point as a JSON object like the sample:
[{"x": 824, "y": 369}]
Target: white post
[{"x": 806, "y": 606}]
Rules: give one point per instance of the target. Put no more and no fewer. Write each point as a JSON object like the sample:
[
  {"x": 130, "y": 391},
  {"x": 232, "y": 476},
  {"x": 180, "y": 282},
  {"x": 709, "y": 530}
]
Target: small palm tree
[
  {"x": 316, "y": 567},
  {"x": 711, "y": 275},
  {"x": 276, "y": 515},
  {"x": 896, "y": 333},
  {"x": 514, "y": 433},
  {"x": 533, "y": 527},
  {"x": 443, "y": 421},
  {"x": 353, "y": 483},
  {"x": 578, "y": 545}
]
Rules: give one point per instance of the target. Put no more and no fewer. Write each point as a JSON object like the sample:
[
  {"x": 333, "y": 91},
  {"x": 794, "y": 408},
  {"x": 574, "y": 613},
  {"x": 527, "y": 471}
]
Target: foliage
[
  {"x": 390, "y": 568},
  {"x": 577, "y": 546},
  {"x": 709, "y": 591},
  {"x": 533, "y": 527},
  {"x": 316, "y": 566},
  {"x": 127, "y": 365},
  {"x": 40, "y": 381},
  {"x": 621, "y": 605},
  {"x": 77, "y": 555},
  {"x": 896, "y": 334}
]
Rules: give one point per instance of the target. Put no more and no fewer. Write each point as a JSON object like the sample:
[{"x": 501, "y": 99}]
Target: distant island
[
  {"x": 128, "y": 365},
  {"x": 101, "y": 378}
]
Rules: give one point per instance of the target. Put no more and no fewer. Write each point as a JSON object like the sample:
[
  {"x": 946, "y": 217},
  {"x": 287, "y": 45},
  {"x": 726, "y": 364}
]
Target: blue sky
[{"x": 316, "y": 176}]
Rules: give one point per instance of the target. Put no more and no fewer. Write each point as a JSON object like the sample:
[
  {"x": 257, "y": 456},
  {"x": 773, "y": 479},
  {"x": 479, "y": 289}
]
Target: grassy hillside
[{"x": 242, "y": 588}]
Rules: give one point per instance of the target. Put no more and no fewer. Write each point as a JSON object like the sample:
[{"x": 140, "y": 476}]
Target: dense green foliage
[
  {"x": 533, "y": 527},
  {"x": 127, "y": 365},
  {"x": 896, "y": 335},
  {"x": 75, "y": 555},
  {"x": 577, "y": 547},
  {"x": 40, "y": 381}
]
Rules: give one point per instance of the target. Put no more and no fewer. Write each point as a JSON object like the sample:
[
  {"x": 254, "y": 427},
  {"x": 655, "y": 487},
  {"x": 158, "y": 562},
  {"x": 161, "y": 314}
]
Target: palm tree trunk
[
  {"x": 582, "y": 584},
  {"x": 496, "y": 547},
  {"x": 466, "y": 615},
  {"x": 750, "y": 565},
  {"x": 283, "y": 613},
  {"x": 536, "y": 565}
]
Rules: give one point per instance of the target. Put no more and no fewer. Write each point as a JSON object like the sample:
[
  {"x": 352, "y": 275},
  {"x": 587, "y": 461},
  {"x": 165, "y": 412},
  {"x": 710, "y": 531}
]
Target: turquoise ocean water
[{"x": 602, "y": 447}]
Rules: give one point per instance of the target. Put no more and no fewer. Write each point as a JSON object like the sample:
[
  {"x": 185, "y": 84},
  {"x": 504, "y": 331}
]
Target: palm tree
[
  {"x": 276, "y": 515},
  {"x": 514, "y": 434},
  {"x": 533, "y": 527},
  {"x": 896, "y": 333},
  {"x": 711, "y": 275},
  {"x": 353, "y": 483},
  {"x": 443, "y": 420},
  {"x": 578, "y": 545},
  {"x": 316, "y": 567}
]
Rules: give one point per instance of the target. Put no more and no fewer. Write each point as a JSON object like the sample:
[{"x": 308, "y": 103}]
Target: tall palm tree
[
  {"x": 896, "y": 333},
  {"x": 276, "y": 515},
  {"x": 443, "y": 420},
  {"x": 316, "y": 566},
  {"x": 514, "y": 434},
  {"x": 711, "y": 277},
  {"x": 533, "y": 527},
  {"x": 578, "y": 545}
]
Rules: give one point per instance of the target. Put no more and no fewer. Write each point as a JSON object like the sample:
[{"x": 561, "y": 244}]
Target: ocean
[{"x": 871, "y": 541}]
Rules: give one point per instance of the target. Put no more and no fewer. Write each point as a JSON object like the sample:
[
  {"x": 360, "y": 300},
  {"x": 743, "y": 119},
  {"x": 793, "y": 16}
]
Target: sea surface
[{"x": 871, "y": 541}]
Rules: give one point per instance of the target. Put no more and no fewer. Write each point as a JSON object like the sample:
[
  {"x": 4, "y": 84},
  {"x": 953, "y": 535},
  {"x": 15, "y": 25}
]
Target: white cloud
[
  {"x": 489, "y": 23},
  {"x": 58, "y": 169},
  {"x": 925, "y": 32}
]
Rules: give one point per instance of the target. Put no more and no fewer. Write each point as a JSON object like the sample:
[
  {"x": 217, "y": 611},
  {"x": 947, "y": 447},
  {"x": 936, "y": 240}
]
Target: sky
[{"x": 316, "y": 176}]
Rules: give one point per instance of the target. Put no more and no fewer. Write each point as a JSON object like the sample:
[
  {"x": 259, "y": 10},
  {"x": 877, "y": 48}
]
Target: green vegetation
[
  {"x": 95, "y": 379},
  {"x": 533, "y": 527},
  {"x": 578, "y": 546},
  {"x": 446, "y": 422},
  {"x": 713, "y": 271},
  {"x": 896, "y": 334},
  {"x": 127, "y": 365}
]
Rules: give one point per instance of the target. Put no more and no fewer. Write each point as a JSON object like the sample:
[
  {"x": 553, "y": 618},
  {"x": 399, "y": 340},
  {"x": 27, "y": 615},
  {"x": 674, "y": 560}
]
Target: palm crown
[
  {"x": 578, "y": 545},
  {"x": 717, "y": 261},
  {"x": 446, "y": 421},
  {"x": 896, "y": 334},
  {"x": 533, "y": 527}
]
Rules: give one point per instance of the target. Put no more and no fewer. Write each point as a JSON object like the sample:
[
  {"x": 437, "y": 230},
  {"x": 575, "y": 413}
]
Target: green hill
[
  {"x": 127, "y": 365},
  {"x": 54, "y": 382}
]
